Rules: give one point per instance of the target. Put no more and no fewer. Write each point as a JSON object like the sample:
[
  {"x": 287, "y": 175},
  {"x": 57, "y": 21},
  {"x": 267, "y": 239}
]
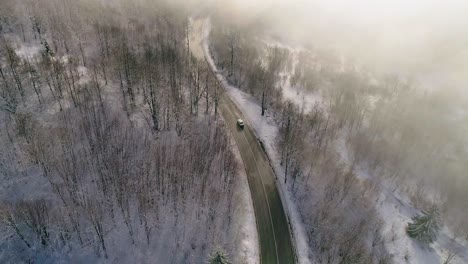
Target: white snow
[
  {"x": 298, "y": 95},
  {"x": 267, "y": 131},
  {"x": 28, "y": 51}
]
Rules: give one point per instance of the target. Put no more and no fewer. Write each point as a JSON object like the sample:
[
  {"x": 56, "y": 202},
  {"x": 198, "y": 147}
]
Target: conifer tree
[
  {"x": 425, "y": 227},
  {"x": 219, "y": 256}
]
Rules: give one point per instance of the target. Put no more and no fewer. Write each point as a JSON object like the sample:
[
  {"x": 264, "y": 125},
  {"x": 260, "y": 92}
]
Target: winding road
[{"x": 275, "y": 242}]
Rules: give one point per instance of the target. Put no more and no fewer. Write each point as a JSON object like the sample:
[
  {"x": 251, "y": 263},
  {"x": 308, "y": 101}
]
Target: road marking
[{"x": 263, "y": 186}]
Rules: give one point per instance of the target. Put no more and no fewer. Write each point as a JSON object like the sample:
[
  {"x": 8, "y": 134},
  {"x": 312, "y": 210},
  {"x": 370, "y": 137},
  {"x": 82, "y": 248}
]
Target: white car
[{"x": 240, "y": 123}]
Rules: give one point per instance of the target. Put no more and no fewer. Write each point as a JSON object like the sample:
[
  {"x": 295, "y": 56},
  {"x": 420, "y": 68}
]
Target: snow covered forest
[
  {"x": 112, "y": 149},
  {"x": 114, "y": 146},
  {"x": 361, "y": 152}
]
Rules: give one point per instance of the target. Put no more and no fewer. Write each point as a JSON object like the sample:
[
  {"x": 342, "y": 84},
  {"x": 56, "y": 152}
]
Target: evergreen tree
[
  {"x": 219, "y": 256},
  {"x": 425, "y": 227}
]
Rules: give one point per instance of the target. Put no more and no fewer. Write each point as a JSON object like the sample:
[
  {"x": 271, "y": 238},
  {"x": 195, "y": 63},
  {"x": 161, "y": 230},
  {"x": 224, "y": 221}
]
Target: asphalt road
[
  {"x": 273, "y": 231},
  {"x": 272, "y": 226}
]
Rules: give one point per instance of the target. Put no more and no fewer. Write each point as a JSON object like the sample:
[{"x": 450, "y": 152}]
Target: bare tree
[{"x": 450, "y": 256}]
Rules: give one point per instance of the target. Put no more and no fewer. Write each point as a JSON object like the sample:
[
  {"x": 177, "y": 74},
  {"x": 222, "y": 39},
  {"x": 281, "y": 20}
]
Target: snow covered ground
[
  {"x": 28, "y": 52},
  {"x": 297, "y": 94}
]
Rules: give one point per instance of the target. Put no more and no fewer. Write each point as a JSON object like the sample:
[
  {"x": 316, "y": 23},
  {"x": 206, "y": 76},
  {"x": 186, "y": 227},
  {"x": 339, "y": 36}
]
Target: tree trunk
[{"x": 263, "y": 102}]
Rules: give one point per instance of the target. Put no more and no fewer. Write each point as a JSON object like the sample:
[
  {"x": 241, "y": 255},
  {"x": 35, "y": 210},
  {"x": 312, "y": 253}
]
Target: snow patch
[
  {"x": 28, "y": 51},
  {"x": 305, "y": 100}
]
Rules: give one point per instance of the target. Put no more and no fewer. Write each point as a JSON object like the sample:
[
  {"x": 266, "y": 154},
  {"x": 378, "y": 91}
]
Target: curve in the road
[
  {"x": 272, "y": 225},
  {"x": 275, "y": 242}
]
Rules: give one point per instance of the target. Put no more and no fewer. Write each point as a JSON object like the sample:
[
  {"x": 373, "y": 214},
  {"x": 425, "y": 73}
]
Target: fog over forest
[
  {"x": 234, "y": 131},
  {"x": 423, "y": 38}
]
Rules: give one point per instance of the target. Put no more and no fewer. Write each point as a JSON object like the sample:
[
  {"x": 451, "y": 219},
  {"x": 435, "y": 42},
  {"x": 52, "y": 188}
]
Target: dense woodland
[
  {"x": 111, "y": 145},
  {"x": 111, "y": 138},
  {"x": 400, "y": 134}
]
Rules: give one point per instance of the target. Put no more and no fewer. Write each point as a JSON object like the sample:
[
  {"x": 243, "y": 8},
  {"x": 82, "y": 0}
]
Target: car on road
[{"x": 240, "y": 123}]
